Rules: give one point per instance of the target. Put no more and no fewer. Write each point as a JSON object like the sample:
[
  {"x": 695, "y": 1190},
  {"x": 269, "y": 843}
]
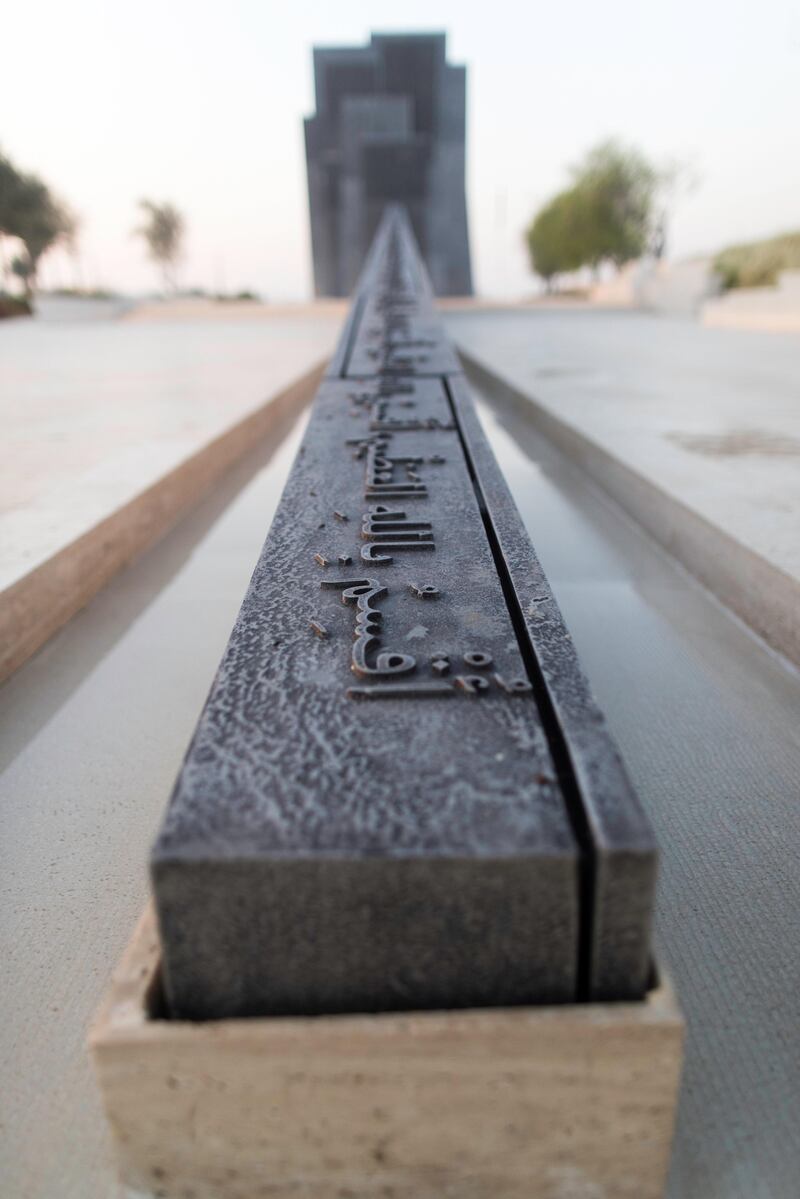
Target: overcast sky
[{"x": 201, "y": 102}]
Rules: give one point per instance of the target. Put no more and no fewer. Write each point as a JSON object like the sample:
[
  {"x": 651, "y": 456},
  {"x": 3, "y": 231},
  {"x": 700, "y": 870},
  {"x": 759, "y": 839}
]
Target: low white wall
[
  {"x": 775, "y": 309},
  {"x": 675, "y": 288}
]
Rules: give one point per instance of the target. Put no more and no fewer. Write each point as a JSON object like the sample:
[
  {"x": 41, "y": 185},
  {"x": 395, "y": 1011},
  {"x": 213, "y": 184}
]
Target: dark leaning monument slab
[
  {"x": 400, "y": 793},
  {"x": 389, "y": 126}
]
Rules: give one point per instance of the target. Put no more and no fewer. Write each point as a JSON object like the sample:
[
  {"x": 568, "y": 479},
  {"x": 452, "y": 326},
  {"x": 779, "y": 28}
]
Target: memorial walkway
[
  {"x": 95, "y": 727},
  {"x": 96, "y": 724}
]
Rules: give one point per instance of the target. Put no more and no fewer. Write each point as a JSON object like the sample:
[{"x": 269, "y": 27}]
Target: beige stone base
[{"x": 573, "y": 1102}]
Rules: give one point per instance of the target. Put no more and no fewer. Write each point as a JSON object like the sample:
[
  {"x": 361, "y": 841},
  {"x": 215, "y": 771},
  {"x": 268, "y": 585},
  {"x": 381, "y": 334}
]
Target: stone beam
[{"x": 400, "y": 793}]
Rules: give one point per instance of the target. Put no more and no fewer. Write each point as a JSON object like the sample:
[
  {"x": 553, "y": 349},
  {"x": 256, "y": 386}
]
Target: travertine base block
[{"x": 573, "y": 1102}]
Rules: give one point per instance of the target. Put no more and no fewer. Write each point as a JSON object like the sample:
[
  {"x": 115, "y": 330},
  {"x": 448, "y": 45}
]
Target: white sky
[{"x": 200, "y": 102}]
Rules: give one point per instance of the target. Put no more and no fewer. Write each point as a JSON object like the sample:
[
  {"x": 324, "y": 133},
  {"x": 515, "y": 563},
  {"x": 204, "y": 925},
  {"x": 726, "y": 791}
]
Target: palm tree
[
  {"x": 31, "y": 212},
  {"x": 163, "y": 232}
]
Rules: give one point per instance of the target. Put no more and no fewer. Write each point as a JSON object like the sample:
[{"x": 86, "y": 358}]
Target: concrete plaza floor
[
  {"x": 112, "y": 427},
  {"x": 93, "y": 412}
]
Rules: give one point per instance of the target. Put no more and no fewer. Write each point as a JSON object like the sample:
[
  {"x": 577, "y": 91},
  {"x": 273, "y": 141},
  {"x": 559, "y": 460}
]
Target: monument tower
[{"x": 389, "y": 128}]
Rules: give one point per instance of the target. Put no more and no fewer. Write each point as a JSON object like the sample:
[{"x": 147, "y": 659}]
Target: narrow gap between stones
[
  {"x": 352, "y": 334},
  {"x": 556, "y": 739}
]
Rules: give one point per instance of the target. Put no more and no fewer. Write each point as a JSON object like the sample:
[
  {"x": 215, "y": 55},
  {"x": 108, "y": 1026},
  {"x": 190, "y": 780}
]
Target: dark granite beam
[{"x": 399, "y": 793}]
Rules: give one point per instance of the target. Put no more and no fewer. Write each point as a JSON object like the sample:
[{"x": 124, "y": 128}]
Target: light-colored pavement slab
[
  {"x": 98, "y": 416},
  {"x": 191, "y": 308},
  {"x": 94, "y": 412},
  {"x": 695, "y": 431}
]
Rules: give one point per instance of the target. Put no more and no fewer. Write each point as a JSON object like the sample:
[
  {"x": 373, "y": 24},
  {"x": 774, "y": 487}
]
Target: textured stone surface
[{"x": 379, "y": 808}]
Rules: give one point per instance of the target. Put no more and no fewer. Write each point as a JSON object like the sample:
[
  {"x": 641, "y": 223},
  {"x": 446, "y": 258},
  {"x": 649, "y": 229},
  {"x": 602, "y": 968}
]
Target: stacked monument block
[
  {"x": 389, "y": 127},
  {"x": 400, "y": 793}
]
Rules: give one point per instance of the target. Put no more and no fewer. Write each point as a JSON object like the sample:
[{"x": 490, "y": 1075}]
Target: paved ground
[
  {"x": 92, "y": 412},
  {"x": 709, "y": 721},
  {"x": 695, "y": 430}
]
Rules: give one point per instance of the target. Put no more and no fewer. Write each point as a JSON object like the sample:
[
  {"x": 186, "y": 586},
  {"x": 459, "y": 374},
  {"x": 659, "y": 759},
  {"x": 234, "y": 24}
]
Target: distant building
[{"x": 389, "y": 126}]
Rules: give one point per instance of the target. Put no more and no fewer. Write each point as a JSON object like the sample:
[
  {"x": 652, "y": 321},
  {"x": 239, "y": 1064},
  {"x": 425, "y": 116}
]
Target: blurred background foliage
[
  {"x": 607, "y": 214},
  {"x": 758, "y": 263},
  {"x": 30, "y": 211},
  {"x": 163, "y": 233}
]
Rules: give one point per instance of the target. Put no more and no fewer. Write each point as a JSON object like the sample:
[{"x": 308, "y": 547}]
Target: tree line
[{"x": 608, "y": 213}]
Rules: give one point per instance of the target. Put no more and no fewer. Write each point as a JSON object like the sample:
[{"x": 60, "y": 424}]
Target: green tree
[
  {"x": 9, "y": 188},
  {"x": 618, "y": 186},
  {"x": 44, "y": 221},
  {"x": 607, "y": 214},
  {"x": 556, "y": 236},
  {"x": 163, "y": 232},
  {"x": 32, "y": 213},
  {"x": 10, "y": 181}
]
